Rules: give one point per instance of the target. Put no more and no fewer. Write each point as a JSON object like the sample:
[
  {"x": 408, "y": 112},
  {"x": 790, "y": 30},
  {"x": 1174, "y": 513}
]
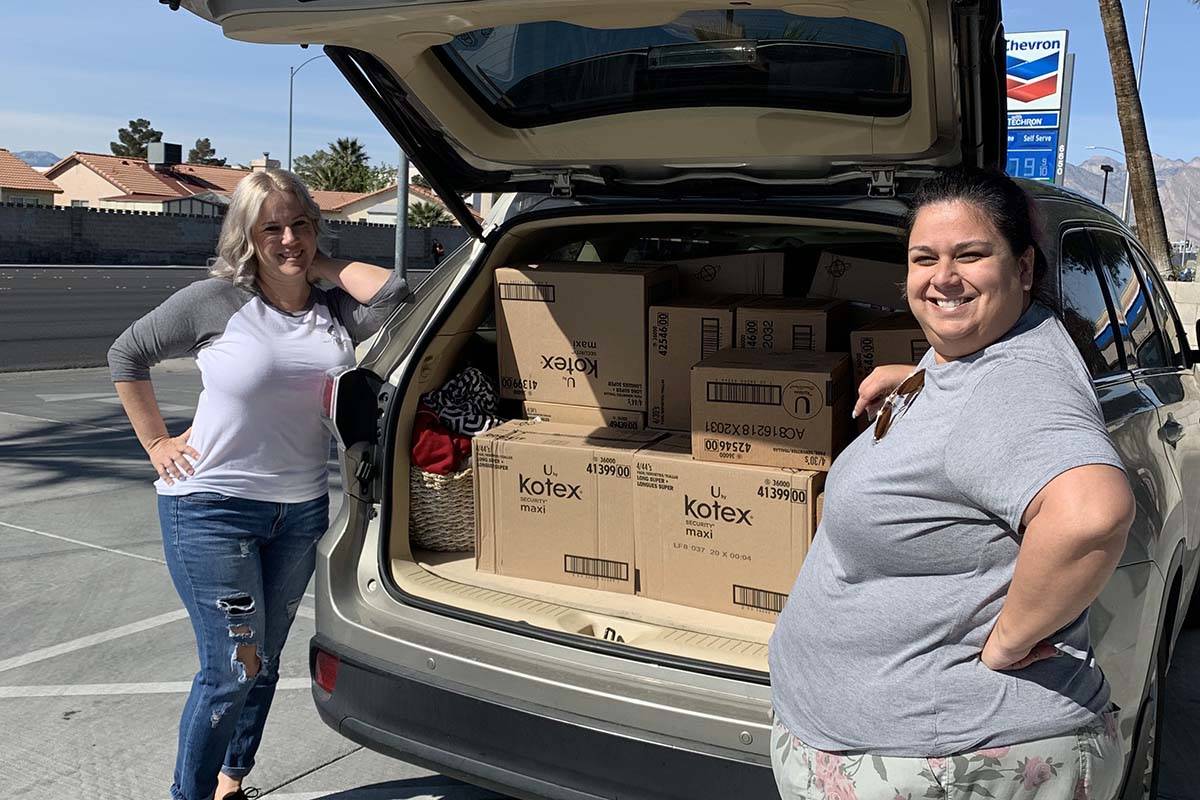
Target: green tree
[
  {"x": 425, "y": 215},
  {"x": 382, "y": 176},
  {"x": 204, "y": 153},
  {"x": 133, "y": 140},
  {"x": 1143, "y": 183},
  {"x": 419, "y": 180},
  {"x": 341, "y": 168}
]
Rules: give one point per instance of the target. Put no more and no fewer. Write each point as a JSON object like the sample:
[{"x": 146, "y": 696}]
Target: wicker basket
[{"x": 442, "y": 510}]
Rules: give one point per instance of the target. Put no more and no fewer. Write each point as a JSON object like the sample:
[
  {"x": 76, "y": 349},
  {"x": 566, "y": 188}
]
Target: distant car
[{"x": 633, "y": 132}]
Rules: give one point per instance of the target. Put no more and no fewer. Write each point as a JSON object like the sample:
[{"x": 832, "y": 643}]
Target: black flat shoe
[{"x": 243, "y": 794}]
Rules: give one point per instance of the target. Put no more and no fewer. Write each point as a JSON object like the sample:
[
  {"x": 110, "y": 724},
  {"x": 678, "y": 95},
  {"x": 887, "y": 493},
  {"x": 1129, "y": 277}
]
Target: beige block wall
[
  {"x": 81, "y": 183},
  {"x": 1187, "y": 303},
  {"x": 129, "y": 205}
]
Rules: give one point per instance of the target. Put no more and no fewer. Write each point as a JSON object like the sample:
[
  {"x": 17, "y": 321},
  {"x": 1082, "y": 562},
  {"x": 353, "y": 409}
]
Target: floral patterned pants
[{"x": 1084, "y": 765}]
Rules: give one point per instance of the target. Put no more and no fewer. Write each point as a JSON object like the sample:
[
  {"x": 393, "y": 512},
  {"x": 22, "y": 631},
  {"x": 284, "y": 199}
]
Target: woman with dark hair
[{"x": 936, "y": 641}]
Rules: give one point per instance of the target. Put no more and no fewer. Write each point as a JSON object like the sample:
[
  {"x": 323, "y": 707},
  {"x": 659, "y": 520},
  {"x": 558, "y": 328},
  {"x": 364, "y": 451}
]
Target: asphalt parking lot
[{"x": 96, "y": 654}]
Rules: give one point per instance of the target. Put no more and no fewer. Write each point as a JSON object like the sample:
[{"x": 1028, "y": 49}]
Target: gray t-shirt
[
  {"x": 258, "y": 422},
  {"x": 878, "y": 648}
]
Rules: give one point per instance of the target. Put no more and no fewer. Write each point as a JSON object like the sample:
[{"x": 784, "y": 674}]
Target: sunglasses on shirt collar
[{"x": 896, "y": 402}]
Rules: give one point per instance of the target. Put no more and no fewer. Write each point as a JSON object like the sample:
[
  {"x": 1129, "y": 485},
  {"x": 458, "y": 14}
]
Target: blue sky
[{"x": 76, "y": 70}]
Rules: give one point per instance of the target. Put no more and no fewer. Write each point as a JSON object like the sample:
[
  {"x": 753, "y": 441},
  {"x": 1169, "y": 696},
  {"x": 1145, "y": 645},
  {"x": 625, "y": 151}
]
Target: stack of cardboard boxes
[{"x": 748, "y": 396}]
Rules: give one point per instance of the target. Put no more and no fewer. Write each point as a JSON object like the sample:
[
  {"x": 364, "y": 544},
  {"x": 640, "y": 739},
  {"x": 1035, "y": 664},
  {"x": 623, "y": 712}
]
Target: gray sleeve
[
  {"x": 181, "y": 325},
  {"x": 1024, "y": 425},
  {"x": 362, "y": 320}
]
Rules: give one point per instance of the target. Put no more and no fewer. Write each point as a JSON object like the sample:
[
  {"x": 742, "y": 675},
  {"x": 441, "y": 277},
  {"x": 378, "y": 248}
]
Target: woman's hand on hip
[
  {"x": 170, "y": 456},
  {"x": 878, "y": 385},
  {"x": 998, "y": 657}
]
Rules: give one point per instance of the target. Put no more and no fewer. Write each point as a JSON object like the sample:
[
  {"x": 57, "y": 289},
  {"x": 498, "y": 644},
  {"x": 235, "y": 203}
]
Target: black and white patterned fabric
[{"x": 467, "y": 404}]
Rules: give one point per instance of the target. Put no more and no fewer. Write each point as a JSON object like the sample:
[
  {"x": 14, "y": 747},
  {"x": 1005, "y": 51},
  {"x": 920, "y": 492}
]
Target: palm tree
[
  {"x": 1143, "y": 183},
  {"x": 423, "y": 214}
]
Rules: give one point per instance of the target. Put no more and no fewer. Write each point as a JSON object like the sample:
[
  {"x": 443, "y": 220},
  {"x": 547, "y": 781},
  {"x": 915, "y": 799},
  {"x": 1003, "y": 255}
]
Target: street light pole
[
  {"x": 291, "y": 80},
  {"x": 1137, "y": 81}
]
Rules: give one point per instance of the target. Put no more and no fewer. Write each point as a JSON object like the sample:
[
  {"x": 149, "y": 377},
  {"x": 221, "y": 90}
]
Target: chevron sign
[{"x": 1035, "y": 70}]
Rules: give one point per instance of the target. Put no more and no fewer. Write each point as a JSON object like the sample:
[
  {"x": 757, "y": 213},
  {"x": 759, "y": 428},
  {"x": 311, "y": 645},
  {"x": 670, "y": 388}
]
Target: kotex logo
[{"x": 1035, "y": 64}]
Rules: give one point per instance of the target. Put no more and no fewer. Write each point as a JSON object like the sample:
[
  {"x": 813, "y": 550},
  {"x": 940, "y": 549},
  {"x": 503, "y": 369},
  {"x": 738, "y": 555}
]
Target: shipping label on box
[
  {"x": 722, "y": 537},
  {"x": 744, "y": 273},
  {"x": 784, "y": 324},
  {"x": 576, "y": 333},
  {"x": 555, "y": 503},
  {"x": 583, "y": 415},
  {"x": 895, "y": 340},
  {"x": 683, "y": 333},
  {"x": 772, "y": 409},
  {"x": 863, "y": 280}
]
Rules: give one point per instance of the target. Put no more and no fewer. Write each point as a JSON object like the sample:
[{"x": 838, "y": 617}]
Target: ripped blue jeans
[{"x": 240, "y": 567}]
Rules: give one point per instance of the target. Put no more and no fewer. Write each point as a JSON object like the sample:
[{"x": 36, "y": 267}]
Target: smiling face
[
  {"x": 965, "y": 285},
  {"x": 285, "y": 241}
]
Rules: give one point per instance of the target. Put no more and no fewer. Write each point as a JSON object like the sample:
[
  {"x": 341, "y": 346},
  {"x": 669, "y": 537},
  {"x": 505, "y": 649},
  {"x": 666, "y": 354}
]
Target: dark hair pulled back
[{"x": 1003, "y": 202}]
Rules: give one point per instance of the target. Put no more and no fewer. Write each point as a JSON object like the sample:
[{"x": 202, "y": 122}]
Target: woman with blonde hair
[{"x": 243, "y": 492}]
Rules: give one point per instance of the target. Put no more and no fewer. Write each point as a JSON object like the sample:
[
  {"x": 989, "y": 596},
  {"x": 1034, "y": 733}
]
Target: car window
[
  {"x": 1143, "y": 344},
  {"x": 1168, "y": 320},
  {"x": 540, "y": 73},
  {"x": 1085, "y": 309}
]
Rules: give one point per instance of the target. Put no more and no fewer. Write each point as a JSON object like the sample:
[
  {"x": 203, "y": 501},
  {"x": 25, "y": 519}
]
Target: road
[
  {"x": 53, "y": 317},
  {"x": 96, "y": 653}
]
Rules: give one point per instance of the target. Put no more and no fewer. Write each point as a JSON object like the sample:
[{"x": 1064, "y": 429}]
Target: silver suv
[{"x": 652, "y": 131}]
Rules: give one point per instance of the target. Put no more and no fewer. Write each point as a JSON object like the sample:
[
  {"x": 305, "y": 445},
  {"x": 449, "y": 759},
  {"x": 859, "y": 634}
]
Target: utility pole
[
  {"x": 402, "y": 214},
  {"x": 291, "y": 80},
  {"x": 1137, "y": 79},
  {"x": 1107, "y": 170}
]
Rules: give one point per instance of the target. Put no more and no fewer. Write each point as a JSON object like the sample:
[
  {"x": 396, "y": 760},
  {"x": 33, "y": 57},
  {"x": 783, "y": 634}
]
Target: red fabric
[{"x": 435, "y": 448}]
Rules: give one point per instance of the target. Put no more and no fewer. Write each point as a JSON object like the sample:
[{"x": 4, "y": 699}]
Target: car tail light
[
  {"x": 325, "y": 670},
  {"x": 329, "y": 390}
]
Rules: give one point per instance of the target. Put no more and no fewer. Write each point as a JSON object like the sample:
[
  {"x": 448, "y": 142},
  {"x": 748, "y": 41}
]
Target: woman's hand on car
[
  {"x": 170, "y": 456},
  {"x": 878, "y": 385}
]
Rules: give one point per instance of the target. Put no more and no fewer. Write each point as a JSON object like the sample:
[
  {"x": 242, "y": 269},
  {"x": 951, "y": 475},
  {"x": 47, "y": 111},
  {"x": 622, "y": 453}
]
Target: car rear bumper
[{"x": 516, "y": 752}]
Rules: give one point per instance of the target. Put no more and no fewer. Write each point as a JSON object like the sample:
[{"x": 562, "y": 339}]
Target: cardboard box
[
  {"x": 772, "y": 409},
  {"x": 721, "y": 537},
  {"x": 576, "y": 333},
  {"x": 897, "y": 339},
  {"x": 745, "y": 273},
  {"x": 555, "y": 503},
  {"x": 879, "y": 283},
  {"x": 820, "y": 512},
  {"x": 583, "y": 415},
  {"x": 784, "y": 324},
  {"x": 682, "y": 333}
]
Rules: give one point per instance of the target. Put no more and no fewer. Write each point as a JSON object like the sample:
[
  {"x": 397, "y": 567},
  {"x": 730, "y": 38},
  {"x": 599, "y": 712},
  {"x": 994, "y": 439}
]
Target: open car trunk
[{"x": 465, "y": 336}]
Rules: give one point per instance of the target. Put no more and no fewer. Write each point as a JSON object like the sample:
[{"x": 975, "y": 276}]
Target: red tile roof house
[
  {"x": 97, "y": 180},
  {"x": 22, "y": 184}
]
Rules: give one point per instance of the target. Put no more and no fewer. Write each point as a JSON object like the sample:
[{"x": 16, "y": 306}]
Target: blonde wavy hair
[{"x": 237, "y": 261}]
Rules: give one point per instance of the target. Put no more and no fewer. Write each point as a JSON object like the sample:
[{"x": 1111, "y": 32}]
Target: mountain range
[
  {"x": 1178, "y": 182},
  {"x": 37, "y": 158}
]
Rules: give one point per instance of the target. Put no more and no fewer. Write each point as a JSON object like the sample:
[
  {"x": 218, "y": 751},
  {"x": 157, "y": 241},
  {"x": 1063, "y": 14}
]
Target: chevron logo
[{"x": 1033, "y": 80}]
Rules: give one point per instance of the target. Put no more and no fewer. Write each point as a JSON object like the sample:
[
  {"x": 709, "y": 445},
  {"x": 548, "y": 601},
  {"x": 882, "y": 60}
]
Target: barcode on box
[
  {"x": 802, "y": 337},
  {"x": 596, "y": 567},
  {"x": 534, "y": 292},
  {"x": 710, "y": 336},
  {"x": 758, "y": 598},
  {"x": 759, "y": 394}
]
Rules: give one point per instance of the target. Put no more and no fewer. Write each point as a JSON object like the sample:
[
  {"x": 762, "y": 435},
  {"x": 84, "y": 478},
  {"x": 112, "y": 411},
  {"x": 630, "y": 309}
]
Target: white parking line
[
  {"x": 65, "y": 422},
  {"x": 92, "y": 640},
  {"x": 97, "y": 689},
  {"x": 83, "y": 544}
]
